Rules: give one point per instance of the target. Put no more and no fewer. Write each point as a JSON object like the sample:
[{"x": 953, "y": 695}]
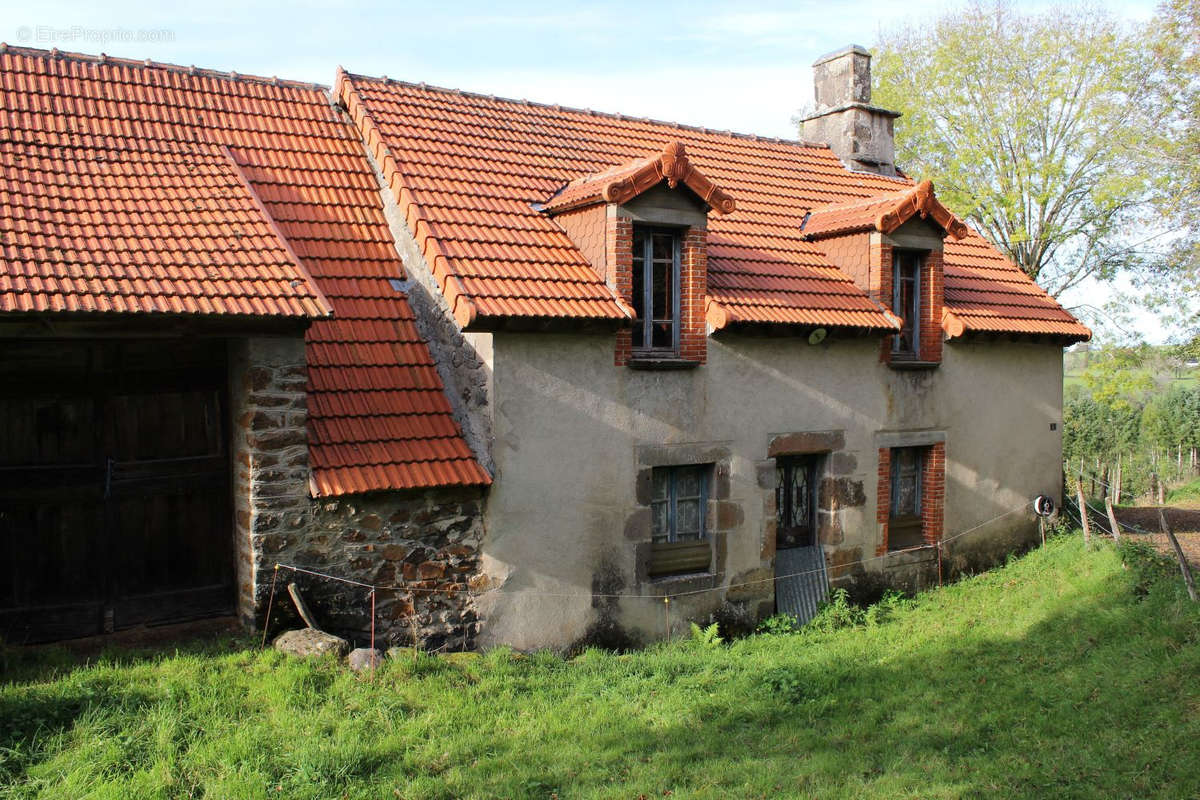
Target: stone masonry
[
  {"x": 267, "y": 381},
  {"x": 427, "y": 542}
]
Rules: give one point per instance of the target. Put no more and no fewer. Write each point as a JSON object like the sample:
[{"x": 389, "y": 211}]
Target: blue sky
[{"x": 736, "y": 66}]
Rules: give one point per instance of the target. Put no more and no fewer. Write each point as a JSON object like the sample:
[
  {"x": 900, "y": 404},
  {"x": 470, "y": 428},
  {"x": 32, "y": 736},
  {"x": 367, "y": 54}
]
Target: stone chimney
[{"x": 859, "y": 133}]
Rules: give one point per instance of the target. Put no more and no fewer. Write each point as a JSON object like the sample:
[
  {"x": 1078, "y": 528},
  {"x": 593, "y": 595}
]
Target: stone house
[{"x": 532, "y": 369}]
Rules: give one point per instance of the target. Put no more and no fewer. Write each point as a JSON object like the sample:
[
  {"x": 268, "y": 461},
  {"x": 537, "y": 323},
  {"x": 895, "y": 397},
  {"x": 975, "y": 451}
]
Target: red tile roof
[
  {"x": 89, "y": 226},
  {"x": 884, "y": 214},
  {"x": 986, "y": 293},
  {"x": 123, "y": 166},
  {"x": 470, "y": 172}
]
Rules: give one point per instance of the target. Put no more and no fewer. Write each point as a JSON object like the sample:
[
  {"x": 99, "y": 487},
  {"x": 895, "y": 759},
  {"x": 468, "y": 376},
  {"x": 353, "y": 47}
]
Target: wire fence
[{"x": 664, "y": 597}]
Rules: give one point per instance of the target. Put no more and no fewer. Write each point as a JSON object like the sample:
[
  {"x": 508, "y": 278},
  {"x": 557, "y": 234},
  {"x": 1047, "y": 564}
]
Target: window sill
[
  {"x": 660, "y": 361},
  {"x": 681, "y": 582},
  {"x": 898, "y": 362}
]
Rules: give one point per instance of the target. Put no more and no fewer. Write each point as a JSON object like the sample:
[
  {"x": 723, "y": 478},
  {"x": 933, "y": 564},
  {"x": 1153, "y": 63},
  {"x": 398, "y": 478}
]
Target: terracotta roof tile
[
  {"x": 119, "y": 195},
  {"x": 471, "y": 172},
  {"x": 987, "y": 293}
]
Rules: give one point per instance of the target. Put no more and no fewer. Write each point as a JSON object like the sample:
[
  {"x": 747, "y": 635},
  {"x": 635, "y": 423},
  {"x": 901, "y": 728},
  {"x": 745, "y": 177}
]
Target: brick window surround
[
  {"x": 932, "y": 300},
  {"x": 933, "y": 492},
  {"x": 693, "y": 285}
]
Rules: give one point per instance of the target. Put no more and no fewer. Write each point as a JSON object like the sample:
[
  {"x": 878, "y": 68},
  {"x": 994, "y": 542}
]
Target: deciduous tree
[{"x": 1031, "y": 126}]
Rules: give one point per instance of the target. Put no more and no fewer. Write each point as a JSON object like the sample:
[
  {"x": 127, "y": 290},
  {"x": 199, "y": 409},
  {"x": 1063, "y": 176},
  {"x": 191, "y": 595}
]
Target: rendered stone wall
[{"x": 565, "y": 520}]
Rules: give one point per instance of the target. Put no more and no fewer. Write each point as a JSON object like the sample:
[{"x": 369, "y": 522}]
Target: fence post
[
  {"x": 1184, "y": 567},
  {"x": 1116, "y": 487},
  {"x": 1083, "y": 515},
  {"x": 1112, "y": 520}
]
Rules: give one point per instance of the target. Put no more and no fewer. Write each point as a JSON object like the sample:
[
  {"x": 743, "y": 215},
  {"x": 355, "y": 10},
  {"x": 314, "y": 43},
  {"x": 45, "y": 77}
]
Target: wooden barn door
[{"x": 114, "y": 486}]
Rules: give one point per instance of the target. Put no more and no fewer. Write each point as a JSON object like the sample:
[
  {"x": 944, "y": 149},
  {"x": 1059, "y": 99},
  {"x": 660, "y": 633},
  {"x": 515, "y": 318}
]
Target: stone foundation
[{"x": 426, "y": 542}]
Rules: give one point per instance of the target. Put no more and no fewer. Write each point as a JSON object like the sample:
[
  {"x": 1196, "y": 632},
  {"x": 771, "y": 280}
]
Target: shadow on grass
[{"x": 1077, "y": 706}]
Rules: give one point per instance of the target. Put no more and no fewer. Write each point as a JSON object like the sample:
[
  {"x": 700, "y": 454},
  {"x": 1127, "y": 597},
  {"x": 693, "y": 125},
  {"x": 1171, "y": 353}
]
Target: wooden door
[
  {"x": 796, "y": 502},
  {"x": 114, "y": 486}
]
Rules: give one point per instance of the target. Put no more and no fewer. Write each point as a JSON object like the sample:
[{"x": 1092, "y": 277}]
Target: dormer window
[
  {"x": 906, "y": 303},
  {"x": 656, "y": 270}
]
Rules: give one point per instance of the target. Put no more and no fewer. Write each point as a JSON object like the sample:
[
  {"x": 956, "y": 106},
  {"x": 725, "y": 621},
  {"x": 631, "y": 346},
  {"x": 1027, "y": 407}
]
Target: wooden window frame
[
  {"x": 906, "y": 531},
  {"x": 645, "y": 347},
  {"x": 677, "y": 556},
  {"x": 910, "y": 316}
]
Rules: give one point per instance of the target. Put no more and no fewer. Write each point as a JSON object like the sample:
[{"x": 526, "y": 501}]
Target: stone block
[
  {"x": 835, "y": 493},
  {"x": 310, "y": 642},
  {"x": 278, "y": 439},
  {"x": 431, "y": 570},
  {"x": 365, "y": 659},
  {"x": 806, "y": 442},
  {"x": 394, "y": 552}
]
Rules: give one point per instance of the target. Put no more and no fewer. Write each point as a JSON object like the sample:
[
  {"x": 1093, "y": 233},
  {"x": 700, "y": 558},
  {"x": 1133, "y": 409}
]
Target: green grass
[
  {"x": 1063, "y": 674},
  {"x": 1188, "y": 494}
]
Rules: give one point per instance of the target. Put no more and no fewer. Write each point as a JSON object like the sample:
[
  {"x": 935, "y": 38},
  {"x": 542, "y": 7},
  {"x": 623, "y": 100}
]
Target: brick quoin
[
  {"x": 883, "y": 498},
  {"x": 619, "y": 244},
  {"x": 932, "y": 299},
  {"x": 933, "y": 493},
  {"x": 693, "y": 285},
  {"x": 881, "y": 288}
]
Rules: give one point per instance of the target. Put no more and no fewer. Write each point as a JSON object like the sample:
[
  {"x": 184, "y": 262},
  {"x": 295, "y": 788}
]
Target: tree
[
  {"x": 1031, "y": 127},
  {"x": 1172, "y": 152}
]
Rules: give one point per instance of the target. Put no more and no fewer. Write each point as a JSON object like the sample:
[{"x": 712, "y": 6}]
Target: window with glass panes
[
  {"x": 904, "y": 515},
  {"x": 656, "y": 260},
  {"x": 679, "y": 539},
  {"x": 906, "y": 302}
]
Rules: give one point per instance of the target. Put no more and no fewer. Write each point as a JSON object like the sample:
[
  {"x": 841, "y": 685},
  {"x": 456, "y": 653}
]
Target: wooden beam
[{"x": 302, "y": 607}]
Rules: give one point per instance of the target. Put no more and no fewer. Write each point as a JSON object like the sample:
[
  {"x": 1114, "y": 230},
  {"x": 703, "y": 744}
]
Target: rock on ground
[
  {"x": 311, "y": 642},
  {"x": 364, "y": 658}
]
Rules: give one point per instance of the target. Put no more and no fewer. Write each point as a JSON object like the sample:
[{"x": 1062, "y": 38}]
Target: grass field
[
  {"x": 1186, "y": 496},
  {"x": 1063, "y": 674}
]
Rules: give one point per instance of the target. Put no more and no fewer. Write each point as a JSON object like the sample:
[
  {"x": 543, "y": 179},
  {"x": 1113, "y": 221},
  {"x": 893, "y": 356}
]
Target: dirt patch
[{"x": 1185, "y": 522}]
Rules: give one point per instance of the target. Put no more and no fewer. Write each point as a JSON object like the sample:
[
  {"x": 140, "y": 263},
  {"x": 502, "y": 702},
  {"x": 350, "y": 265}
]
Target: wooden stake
[
  {"x": 1083, "y": 517},
  {"x": 1112, "y": 520},
  {"x": 1184, "y": 567},
  {"x": 305, "y": 614},
  {"x": 1042, "y": 529},
  {"x": 1116, "y": 486}
]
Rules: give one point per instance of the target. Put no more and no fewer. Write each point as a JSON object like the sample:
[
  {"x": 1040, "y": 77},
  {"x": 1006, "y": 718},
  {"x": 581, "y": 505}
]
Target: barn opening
[{"x": 115, "y": 485}]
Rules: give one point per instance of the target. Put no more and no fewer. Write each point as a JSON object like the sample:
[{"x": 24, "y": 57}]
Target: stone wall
[
  {"x": 426, "y": 541},
  {"x": 269, "y": 441}
]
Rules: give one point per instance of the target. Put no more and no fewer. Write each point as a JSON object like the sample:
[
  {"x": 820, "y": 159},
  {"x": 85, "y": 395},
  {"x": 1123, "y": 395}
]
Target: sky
[{"x": 744, "y": 67}]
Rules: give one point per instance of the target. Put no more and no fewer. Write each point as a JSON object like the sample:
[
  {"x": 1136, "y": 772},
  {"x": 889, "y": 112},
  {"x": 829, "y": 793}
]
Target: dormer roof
[
  {"x": 623, "y": 183},
  {"x": 885, "y": 214}
]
